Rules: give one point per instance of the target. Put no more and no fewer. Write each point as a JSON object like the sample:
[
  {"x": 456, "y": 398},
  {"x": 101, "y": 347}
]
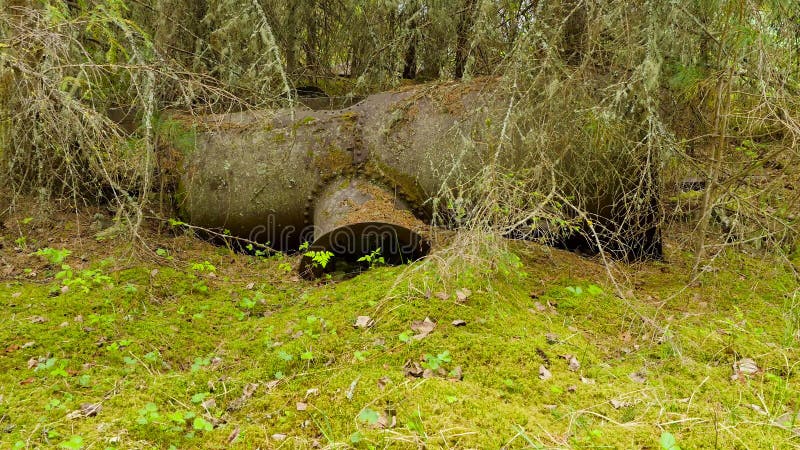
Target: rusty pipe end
[{"x": 354, "y": 218}]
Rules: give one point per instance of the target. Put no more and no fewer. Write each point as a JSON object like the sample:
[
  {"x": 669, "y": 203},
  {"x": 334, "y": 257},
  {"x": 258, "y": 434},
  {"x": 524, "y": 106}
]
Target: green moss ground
[{"x": 164, "y": 337}]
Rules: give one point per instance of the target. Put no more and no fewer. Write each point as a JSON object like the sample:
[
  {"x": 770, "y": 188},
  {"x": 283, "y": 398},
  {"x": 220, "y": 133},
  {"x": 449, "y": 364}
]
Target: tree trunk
[
  {"x": 463, "y": 37},
  {"x": 575, "y": 31}
]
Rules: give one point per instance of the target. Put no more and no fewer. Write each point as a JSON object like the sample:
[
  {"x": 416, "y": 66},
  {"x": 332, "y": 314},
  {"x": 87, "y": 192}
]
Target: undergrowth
[{"x": 201, "y": 349}]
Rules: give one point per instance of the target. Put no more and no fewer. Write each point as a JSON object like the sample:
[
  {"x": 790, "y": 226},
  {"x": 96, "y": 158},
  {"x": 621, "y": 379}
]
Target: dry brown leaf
[
  {"x": 423, "y": 328},
  {"x": 459, "y": 323},
  {"x": 462, "y": 295},
  {"x": 383, "y": 382},
  {"x": 544, "y": 374},
  {"x": 412, "y": 369},
  {"x": 617, "y": 404},
  {"x": 363, "y": 322},
  {"x": 638, "y": 377},
  {"x": 247, "y": 392},
  {"x": 234, "y": 434},
  {"x": 456, "y": 374},
  {"x": 87, "y": 410},
  {"x": 744, "y": 367},
  {"x": 574, "y": 364}
]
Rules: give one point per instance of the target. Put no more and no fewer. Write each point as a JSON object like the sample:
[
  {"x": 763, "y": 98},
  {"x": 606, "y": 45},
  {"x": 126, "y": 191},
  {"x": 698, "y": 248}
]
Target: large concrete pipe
[{"x": 269, "y": 175}]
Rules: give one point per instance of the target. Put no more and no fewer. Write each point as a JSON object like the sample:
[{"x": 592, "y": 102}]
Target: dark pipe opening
[{"x": 347, "y": 246}]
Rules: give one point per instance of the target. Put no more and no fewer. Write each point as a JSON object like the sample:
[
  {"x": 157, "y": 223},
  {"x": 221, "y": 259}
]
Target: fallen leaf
[
  {"x": 27, "y": 381},
  {"x": 544, "y": 374},
  {"x": 442, "y": 295},
  {"x": 352, "y": 388},
  {"x": 87, "y": 410},
  {"x": 78, "y": 318},
  {"x": 250, "y": 286},
  {"x": 209, "y": 403},
  {"x": 423, "y": 328},
  {"x": 638, "y": 377},
  {"x": 574, "y": 364},
  {"x": 279, "y": 437},
  {"x": 312, "y": 392},
  {"x": 12, "y": 348},
  {"x": 572, "y": 388},
  {"x": 459, "y": 323},
  {"x": 234, "y": 434},
  {"x": 551, "y": 338},
  {"x": 617, "y": 404},
  {"x": 302, "y": 406},
  {"x": 383, "y": 382},
  {"x": 412, "y": 369},
  {"x": 462, "y": 295},
  {"x": 789, "y": 421},
  {"x": 456, "y": 374},
  {"x": 28, "y": 344},
  {"x": 16, "y": 294},
  {"x": 38, "y": 319},
  {"x": 363, "y": 322},
  {"x": 386, "y": 420},
  {"x": 64, "y": 289},
  {"x": 585, "y": 380},
  {"x": 745, "y": 366},
  {"x": 247, "y": 392},
  {"x": 539, "y": 307}
]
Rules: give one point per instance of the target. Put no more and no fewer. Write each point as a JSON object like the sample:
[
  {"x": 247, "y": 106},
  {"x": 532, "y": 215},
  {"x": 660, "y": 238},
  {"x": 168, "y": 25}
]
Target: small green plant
[
  {"x": 177, "y": 223},
  {"x": 201, "y": 424},
  {"x": 83, "y": 280},
  {"x": 73, "y": 443},
  {"x": 196, "y": 270},
  {"x": 53, "y": 256},
  {"x": 668, "y": 441},
  {"x": 258, "y": 252},
  {"x": 320, "y": 258},
  {"x": 435, "y": 362},
  {"x": 204, "y": 266},
  {"x": 374, "y": 259},
  {"x": 21, "y": 242},
  {"x": 199, "y": 363},
  {"x": 592, "y": 290},
  {"x": 405, "y": 336},
  {"x": 148, "y": 414},
  {"x": 369, "y": 416}
]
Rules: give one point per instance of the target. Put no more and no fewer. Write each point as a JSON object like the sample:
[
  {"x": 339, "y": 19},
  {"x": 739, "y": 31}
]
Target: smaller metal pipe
[{"x": 354, "y": 217}]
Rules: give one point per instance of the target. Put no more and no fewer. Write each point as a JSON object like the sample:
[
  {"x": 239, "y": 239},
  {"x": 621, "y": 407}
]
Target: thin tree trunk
[{"x": 463, "y": 37}]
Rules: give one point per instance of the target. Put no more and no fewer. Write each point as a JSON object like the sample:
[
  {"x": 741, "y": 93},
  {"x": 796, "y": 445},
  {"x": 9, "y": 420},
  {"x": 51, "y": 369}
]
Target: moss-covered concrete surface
[{"x": 186, "y": 345}]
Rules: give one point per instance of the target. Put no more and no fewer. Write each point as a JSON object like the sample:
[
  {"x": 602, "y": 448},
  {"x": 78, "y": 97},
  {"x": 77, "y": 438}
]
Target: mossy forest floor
[{"x": 188, "y": 345}]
